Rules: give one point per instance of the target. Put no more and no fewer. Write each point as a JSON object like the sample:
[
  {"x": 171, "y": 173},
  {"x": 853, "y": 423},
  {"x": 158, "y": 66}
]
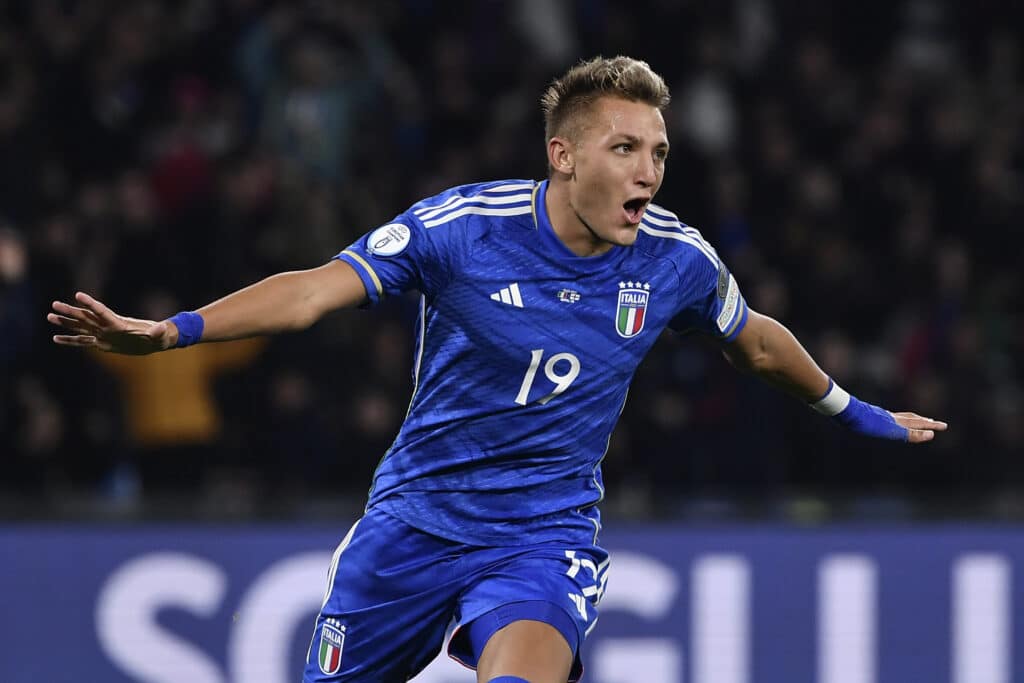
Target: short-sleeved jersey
[{"x": 524, "y": 355}]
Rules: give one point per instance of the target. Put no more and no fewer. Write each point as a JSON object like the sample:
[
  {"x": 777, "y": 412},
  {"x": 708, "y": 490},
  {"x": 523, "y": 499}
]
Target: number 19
[{"x": 561, "y": 382}]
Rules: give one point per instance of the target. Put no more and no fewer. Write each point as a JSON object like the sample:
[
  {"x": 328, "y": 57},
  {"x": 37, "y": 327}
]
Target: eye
[
  {"x": 660, "y": 154},
  {"x": 624, "y": 148}
]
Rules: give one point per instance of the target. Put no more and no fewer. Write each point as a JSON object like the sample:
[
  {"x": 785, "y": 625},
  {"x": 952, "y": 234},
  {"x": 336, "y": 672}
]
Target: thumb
[
  {"x": 163, "y": 334},
  {"x": 158, "y": 330}
]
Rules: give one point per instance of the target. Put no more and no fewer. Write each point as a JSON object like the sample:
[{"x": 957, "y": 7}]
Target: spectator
[{"x": 197, "y": 145}]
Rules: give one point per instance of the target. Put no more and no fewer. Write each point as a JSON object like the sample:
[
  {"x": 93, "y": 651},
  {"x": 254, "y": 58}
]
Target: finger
[
  {"x": 915, "y": 421},
  {"x": 921, "y": 423},
  {"x": 914, "y": 416},
  {"x": 909, "y": 415},
  {"x": 920, "y": 435},
  {"x": 69, "y": 324},
  {"x": 74, "y": 340},
  {"x": 81, "y": 314},
  {"x": 97, "y": 307}
]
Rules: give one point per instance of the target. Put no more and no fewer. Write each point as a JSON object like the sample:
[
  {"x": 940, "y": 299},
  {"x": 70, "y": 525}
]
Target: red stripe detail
[
  {"x": 638, "y": 321},
  {"x": 335, "y": 659}
]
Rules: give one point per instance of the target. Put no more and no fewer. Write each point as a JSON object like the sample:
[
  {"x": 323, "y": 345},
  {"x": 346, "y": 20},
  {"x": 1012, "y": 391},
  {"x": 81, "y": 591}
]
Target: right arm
[{"x": 284, "y": 302}]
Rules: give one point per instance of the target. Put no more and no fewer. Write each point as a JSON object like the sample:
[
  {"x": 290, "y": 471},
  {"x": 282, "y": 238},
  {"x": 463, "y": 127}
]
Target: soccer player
[{"x": 539, "y": 300}]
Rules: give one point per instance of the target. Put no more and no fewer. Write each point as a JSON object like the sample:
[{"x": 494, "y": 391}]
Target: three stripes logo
[
  {"x": 509, "y": 295},
  {"x": 332, "y": 641}
]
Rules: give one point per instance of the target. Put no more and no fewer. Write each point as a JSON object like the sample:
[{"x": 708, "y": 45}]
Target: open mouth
[{"x": 634, "y": 209}]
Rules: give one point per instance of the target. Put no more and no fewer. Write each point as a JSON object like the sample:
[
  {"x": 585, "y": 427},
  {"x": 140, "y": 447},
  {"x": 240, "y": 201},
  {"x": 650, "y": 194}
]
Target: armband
[{"x": 190, "y": 328}]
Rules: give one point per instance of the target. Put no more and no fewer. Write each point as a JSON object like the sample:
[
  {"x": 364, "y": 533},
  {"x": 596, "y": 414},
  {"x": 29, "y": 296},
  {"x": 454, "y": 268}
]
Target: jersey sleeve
[
  {"x": 711, "y": 301},
  {"x": 403, "y": 255}
]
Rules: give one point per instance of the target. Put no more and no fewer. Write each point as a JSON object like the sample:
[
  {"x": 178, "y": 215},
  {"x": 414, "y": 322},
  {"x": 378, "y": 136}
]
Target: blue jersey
[{"x": 524, "y": 356}]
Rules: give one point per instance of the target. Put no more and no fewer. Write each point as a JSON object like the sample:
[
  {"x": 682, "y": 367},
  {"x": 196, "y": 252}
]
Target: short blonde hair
[{"x": 569, "y": 97}]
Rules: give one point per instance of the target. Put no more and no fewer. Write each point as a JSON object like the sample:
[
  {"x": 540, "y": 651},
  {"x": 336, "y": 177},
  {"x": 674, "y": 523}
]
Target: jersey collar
[{"x": 542, "y": 223}]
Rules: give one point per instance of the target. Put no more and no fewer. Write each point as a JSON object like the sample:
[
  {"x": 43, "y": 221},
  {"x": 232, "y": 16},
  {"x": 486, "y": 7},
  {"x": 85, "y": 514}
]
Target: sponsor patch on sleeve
[
  {"x": 723, "y": 282},
  {"x": 388, "y": 240},
  {"x": 730, "y": 301}
]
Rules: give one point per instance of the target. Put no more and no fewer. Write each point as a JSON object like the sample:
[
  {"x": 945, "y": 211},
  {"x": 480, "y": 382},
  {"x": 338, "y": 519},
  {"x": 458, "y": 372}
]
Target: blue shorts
[{"x": 393, "y": 590}]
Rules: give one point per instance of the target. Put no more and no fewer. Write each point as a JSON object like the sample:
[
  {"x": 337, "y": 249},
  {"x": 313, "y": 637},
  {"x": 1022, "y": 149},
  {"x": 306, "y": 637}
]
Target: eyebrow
[{"x": 634, "y": 140}]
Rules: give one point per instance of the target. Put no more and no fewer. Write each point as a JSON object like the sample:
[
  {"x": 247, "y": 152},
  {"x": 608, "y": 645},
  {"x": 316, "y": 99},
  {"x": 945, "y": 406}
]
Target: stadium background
[{"x": 857, "y": 164}]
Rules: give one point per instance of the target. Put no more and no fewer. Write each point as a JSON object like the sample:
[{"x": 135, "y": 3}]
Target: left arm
[{"x": 767, "y": 349}]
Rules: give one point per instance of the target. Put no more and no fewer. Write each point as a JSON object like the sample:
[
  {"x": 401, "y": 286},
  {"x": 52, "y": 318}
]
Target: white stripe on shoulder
[
  {"x": 480, "y": 211},
  {"x": 510, "y": 187},
  {"x": 453, "y": 198},
  {"x": 694, "y": 233},
  {"x": 654, "y": 219},
  {"x": 660, "y": 216},
  {"x": 475, "y": 199},
  {"x": 667, "y": 219},
  {"x": 662, "y": 212},
  {"x": 682, "y": 237}
]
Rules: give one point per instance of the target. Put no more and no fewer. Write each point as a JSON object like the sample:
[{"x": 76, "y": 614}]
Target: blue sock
[{"x": 508, "y": 679}]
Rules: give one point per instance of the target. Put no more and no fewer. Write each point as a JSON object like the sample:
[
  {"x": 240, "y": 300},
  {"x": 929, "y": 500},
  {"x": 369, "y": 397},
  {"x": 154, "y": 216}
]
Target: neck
[{"x": 567, "y": 224}]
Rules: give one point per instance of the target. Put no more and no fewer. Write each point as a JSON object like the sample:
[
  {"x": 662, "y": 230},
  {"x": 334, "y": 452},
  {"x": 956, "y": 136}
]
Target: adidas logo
[{"x": 509, "y": 295}]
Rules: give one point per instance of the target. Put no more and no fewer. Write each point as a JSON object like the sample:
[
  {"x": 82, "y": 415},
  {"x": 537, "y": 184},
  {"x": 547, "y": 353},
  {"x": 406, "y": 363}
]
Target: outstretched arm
[
  {"x": 766, "y": 348},
  {"x": 283, "y": 302}
]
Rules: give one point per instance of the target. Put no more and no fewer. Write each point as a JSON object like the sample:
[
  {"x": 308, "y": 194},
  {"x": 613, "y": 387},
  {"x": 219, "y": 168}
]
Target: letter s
[
  {"x": 126, "y": 616},
  {"x": 279, "y": 602}
]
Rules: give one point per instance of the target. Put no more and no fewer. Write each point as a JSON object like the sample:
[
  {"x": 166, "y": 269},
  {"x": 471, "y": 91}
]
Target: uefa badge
[
  {"x": 388, "y": 240},
  {"x": 632, "y": 308},
  {"x": 332, "y": 639}
]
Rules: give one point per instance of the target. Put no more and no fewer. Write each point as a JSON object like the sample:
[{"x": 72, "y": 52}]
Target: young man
[{"x": 539, "y": 299}]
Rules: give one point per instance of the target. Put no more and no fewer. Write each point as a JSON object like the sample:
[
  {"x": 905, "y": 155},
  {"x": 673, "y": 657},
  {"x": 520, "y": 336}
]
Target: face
[{"x": 617, "y": 166}]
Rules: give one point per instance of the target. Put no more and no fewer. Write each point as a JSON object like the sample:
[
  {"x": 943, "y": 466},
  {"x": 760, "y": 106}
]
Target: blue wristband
[
  {"x": 863, "y": 418},
  {"x": 190, "y": 328}
]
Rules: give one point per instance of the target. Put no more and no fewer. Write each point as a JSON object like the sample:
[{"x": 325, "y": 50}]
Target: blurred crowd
[{"x": 859, "y": 165}]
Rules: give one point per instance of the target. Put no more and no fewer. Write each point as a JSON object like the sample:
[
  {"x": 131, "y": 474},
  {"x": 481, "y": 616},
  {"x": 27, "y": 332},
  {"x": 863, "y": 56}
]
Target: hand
[
  {"x": 870, "y": 420},
  {"x": 96, "y": 326},
  {"x": 919, "y": 429}
]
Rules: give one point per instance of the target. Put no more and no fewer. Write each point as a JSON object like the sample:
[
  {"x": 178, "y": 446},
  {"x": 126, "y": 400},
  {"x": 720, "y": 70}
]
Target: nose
[{"x": 646, "y": 173}]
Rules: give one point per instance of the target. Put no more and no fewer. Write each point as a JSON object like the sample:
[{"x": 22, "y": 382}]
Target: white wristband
[{"x": 834, "y": 401}]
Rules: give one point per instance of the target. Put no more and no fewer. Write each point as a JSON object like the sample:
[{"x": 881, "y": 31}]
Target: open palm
[{"x": 94, "y": 325}]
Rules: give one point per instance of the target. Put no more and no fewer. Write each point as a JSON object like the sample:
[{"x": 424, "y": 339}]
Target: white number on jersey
[{"x": 561, "y": 381}]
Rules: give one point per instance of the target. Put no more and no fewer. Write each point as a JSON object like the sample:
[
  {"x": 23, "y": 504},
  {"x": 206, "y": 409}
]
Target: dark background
[{"x": 857, "y": 164}]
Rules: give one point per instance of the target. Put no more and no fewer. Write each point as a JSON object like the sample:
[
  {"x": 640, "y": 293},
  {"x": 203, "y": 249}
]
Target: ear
[{"x": 561, "y": 157}]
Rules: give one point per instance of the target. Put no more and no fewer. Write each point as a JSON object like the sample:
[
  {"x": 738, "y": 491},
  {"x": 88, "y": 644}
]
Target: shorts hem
[{"x": 470, "y": 637}]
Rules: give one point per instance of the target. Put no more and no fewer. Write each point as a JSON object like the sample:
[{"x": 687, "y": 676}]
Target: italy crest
[
  {"x": 632, "y": 308},
  {"x": 332, "y": 639}
]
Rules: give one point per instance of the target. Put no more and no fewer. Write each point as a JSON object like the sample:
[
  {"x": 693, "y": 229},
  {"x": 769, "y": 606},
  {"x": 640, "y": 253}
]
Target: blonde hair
[{"x": 568, "y": 98}]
